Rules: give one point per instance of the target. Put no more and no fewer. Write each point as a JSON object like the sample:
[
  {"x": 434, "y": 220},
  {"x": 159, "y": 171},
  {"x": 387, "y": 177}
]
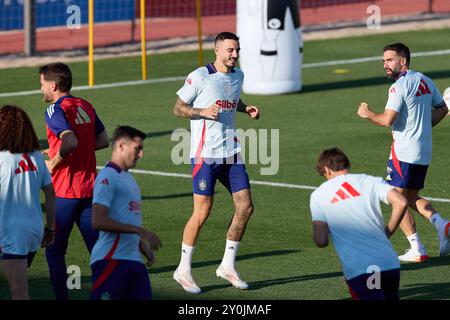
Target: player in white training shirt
[
  {"x": 210, "y": 97},
  {"x": 413, "y": 108},
  {"x": 118, "y": 272},
  {"x": 347, "y": 206},
  {"x": 23, "y": 174}
]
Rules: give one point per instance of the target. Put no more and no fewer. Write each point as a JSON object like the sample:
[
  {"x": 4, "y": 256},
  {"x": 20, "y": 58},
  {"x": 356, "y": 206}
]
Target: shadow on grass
[
  {"x": 356, "y": 83},
  {"x": 169, "y": 196},
  {"x": 279, "y": 281},
  {"x": 425, "y": 291},
  {"x": 430, "y": 263},
  {"x": 218, "y": 261}
]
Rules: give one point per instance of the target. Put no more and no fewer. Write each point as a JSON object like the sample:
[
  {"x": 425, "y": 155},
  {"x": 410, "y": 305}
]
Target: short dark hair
[
  {"x": 126, "y": 132},
  {"x": 17, "y": 133},
  {"x": 224, "y": 36},
  {"x": 334, "y": 158},
  {"x": 59, "y": 73},
  {"x": 401, "y": 49}
]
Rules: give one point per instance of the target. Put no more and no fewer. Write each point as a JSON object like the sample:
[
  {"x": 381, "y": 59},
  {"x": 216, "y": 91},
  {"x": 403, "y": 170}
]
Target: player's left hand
[{"x": 253, "y": 112}]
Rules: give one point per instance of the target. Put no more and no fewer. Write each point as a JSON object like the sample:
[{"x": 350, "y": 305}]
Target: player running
[
  {"x": 414, "y": 106},
  {"x": 210, "y": 97}
]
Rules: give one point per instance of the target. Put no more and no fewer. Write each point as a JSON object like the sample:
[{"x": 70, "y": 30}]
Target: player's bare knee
[{"x": 201, "y": 215}]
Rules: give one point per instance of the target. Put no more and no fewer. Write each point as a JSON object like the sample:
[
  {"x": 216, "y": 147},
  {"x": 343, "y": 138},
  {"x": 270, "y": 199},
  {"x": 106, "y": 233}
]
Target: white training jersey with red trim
[
  {"x": 22, "y": 176},
  {"x": 203, "y": 88},
  {"x": 350, "y": 205},
  {"x": 413, "y": 96},
  {"x": 116, "y": 189}
]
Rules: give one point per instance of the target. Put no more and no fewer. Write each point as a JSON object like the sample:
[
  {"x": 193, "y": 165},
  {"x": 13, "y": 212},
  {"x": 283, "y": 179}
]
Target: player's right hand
[
  {"x": 363, "y": 110},
  {"x": 151, "y": 238},
  {"x": 147, "y": 252},
  {"x": 211, "y": 112}
]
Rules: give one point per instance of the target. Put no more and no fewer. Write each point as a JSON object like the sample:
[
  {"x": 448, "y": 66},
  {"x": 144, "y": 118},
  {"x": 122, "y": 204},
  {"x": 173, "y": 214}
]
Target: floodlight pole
[
  {"x": 29, "y": 27},
  {"x": 430, "y": 6}
]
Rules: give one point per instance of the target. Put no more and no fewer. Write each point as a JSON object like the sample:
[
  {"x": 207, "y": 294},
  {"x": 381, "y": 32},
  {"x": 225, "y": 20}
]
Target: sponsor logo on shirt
[
  {"x": 227, "y": 105},
  {"x": 346, "y": 191},
  {"x": 134, "y": 206},
  {"x": 25, "y": 165}
]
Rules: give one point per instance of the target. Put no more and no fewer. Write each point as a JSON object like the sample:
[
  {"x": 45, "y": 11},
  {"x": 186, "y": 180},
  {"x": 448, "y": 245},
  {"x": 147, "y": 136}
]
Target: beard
[{"x": 393, "y": 73}]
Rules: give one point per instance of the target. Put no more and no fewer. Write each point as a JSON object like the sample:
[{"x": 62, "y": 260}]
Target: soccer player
[
  {"x": 118, "y": 272},
  {"x": 22, "y": 174},
  {"x": 347, "y": 206},
  {"x": 210, "y": 97},
  {"x": 74, "y": 132},
  {"x": 414, "y": 106}
]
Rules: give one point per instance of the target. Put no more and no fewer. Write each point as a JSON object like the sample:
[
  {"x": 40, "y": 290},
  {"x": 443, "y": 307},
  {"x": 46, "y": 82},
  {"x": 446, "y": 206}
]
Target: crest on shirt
[
  {"x": 202, "y": 185},
  {"x": 227, "y": 88},
  {"x": 189, "y": 81}
]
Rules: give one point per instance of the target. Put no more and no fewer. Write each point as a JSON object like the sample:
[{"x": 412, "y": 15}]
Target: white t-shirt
[
  {"x": 350, "y": 205},
  {"x": 116, "y": 189},
  {"x": 22, "y": 176},
  {"x": 203, "y": 88},
  {"x": 413, "y": 96}
]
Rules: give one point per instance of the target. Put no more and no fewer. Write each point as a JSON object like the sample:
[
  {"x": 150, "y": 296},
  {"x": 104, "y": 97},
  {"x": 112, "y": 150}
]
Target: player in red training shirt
[{"x": 74, "y": 132}]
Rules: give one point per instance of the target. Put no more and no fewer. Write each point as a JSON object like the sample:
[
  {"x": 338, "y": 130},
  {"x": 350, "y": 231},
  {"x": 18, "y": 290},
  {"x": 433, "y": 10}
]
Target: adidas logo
[
  {"x": 231, "y": 248},
  {"x": 345, "y": 192},
  {"x": 82, "y": 116},
  {"x": 105, "y": 182}
]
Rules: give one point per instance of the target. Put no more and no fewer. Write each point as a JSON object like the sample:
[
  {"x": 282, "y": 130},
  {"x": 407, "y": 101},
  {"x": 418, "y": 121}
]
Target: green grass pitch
[{"x": 277, "y": 256}]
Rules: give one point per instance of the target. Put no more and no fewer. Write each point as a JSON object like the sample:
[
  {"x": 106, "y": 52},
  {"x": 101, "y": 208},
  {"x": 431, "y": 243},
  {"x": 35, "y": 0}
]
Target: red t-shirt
[{"x": 74, "y": 177}]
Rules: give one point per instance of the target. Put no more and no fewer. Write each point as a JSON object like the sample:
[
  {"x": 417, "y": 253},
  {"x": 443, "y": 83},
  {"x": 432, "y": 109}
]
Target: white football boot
[
  {"x": 231, "y": 276},
  {"x": 414, "y": 255},
  {"x": 186, "y": 281}
]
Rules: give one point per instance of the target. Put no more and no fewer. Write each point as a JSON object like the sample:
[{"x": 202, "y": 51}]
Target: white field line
[
  {"x": 253, "y": 182},
  {"x": 170, "y": 79},
  {"x": 98, "y": 86}
]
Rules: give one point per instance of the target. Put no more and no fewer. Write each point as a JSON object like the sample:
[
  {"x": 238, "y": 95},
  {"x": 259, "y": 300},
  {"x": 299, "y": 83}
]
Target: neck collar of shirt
[
  {"x": 212, "y": 69},
  {"x": 62, "y": 98},
  {"x": 114, "y": 166},
  {"x": 401, "y": 74}
]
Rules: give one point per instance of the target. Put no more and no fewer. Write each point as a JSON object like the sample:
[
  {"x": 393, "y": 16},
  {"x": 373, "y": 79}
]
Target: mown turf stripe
[
  {"x": 170, "y": 79},
  {"x": 253, "y": 182}
]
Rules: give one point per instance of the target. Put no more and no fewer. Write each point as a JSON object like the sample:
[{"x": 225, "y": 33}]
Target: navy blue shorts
[
  {"x": 389, "y": 285},
  {"x": 8, "y": 256},
  {"x": 120, "y": 280},
  {"x": 229, "y": 171},
  {"x": 406, "y": 175}
]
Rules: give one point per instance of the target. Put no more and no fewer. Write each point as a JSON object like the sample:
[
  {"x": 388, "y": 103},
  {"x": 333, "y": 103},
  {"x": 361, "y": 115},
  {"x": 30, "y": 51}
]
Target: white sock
[
  {"x": 436, "y": 220},
  {"x": 414, "y": 241},
  {"x": 186, "y": 258},
  {"x": 229, "y": 257}
]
